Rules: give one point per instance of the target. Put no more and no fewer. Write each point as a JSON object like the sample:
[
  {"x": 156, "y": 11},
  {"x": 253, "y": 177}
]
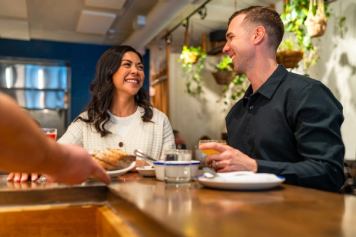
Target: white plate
[
  {"x": 242, "y": 181},
  {"x": 147, "y": 171},
  {"x": 113, "y": 173}
]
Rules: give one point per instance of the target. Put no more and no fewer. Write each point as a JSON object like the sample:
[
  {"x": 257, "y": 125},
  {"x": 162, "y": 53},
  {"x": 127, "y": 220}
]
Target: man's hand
[
  {"x": 76, "y": 166},
  {"x": 228, "y": 159}
]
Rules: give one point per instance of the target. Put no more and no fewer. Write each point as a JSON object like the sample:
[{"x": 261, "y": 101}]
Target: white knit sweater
[{"x": 150, "y": 137}]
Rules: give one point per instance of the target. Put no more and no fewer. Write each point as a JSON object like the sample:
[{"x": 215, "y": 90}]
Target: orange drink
[{"x": 211, "y": 151}]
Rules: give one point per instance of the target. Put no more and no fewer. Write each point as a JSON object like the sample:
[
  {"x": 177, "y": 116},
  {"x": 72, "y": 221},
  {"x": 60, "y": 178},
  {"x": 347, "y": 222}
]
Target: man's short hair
[{"x": 267, "y": 17}]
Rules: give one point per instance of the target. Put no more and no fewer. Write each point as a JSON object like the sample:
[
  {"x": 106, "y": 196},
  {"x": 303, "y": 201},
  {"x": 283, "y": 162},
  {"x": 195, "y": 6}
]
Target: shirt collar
[
  {"x": 272, "y": 83},
  {"x": 269, "y": 87},
  {"x": 247, "y": 95}
]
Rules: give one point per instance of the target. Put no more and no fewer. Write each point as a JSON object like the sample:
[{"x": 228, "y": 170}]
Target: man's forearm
[{"x": 309, "y": 173}]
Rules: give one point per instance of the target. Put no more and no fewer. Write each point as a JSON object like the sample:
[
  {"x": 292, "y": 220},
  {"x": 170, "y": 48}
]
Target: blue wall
[{"x": 81, "y": 58}]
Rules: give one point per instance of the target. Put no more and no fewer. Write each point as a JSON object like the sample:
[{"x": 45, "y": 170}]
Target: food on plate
[{"x": 113, "y": 159}]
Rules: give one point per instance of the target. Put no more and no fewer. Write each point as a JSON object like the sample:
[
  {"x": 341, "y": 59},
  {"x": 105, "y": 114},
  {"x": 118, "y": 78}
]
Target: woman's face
[{"x": 129, "y": 77}]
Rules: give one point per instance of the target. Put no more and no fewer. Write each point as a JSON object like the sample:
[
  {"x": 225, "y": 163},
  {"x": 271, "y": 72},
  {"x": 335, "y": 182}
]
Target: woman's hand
[{"x": 22, "y": 177}]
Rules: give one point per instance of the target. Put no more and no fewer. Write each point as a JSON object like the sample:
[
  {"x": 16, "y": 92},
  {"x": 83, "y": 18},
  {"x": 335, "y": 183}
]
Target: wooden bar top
[
  {"x": 156, "y": 208},
  {"x": 190, "y": 210}
]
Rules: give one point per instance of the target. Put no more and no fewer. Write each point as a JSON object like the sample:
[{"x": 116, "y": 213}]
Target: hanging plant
[
  {"x": 193, "y": 61},
  {"x": 289, "y": 53},
  {"x": 224, "y": 73},
  {"x": 225, "y": 64},
  {"x": 235, "y": 90},
  {"x": 234, "y": 85},
  {"x": 316, "y": 21},
  {"x": 294, "y": 16}
]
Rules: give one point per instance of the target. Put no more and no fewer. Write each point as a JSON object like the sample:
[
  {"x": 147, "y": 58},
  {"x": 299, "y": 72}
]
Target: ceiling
[
  {"x": 112, "y": 22},
  {"x": 218, "y": 13}
]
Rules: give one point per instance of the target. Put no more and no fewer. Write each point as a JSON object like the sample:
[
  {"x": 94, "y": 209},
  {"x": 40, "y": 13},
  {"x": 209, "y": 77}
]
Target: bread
[{"x": 113, "y": 159}]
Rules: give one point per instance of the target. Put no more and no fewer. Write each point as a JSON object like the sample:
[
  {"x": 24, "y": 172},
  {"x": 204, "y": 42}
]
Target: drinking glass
[
  {"x": 208, "y": 152},
  {"x": 50, "y": 132},
  {"x": 177, "y": 155},
  {"x": 184, "y": 154}
]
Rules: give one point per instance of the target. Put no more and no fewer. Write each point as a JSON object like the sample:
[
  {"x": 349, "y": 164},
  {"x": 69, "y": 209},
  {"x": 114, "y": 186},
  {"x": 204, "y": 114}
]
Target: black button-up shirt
[{"x": 291, "y": 126}]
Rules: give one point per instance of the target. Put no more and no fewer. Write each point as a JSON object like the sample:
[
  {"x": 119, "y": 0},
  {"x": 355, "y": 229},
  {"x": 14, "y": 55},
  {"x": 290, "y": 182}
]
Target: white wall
[
  {"x": 337, "y": 67},
  {"x": 191, "y": 116}
]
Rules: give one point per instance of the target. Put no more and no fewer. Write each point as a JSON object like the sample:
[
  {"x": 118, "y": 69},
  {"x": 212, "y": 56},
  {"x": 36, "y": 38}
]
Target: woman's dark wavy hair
[{"x": 102, "y": 90}]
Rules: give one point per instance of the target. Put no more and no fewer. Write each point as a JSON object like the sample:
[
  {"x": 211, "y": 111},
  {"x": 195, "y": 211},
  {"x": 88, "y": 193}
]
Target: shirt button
[{"x": 121, "y": 144}]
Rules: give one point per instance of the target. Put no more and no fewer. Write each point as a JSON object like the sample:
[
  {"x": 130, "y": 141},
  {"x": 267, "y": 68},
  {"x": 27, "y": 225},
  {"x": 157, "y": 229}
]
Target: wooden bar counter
[{"x": 137, "y": 206}]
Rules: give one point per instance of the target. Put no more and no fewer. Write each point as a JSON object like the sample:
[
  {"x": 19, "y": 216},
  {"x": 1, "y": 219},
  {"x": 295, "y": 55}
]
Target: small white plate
[
  {"x": 242, "y": 181},
  {"x": 114, "y": 173},
  {"x": 147, "y": 171}
]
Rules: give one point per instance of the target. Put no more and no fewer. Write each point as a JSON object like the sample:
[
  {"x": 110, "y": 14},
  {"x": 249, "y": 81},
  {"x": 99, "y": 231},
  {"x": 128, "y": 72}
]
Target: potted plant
[
  {"x": 193, "y": 60},
  {"x": 316, "y": 20},
  {"x": 224, "y": 73},
  {"x": 289, "y": 54},
  {"x": 235, "y": 90},
  {"x": 294, "y": 16},
  {"x": 234, "y": 85}
]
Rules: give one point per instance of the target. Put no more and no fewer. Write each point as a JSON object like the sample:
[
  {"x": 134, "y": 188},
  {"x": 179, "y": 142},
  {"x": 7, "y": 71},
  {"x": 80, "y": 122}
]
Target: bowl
[
  {"x": 175, "y": 167},
  {"x": 194, "y": 167},
  {"x": 177, "y": 171},
  {"x": 159, "y": 169},
  {"x": 146, "y": 171}
]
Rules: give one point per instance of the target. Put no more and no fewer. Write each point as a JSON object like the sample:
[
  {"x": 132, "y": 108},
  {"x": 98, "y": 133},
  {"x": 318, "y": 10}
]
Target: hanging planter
[
  {"x": 290, "y": 58},
  {"x": 233, "y": 85},
  {"x": 224, "y": 74},
  {"x": 223, "y": 77},
  {"x": 192, "y": 60},
  {"x": 289, "y": 54},
  {"x": 316, "y": 23},
  {"x": 305, "y": 19},
  {"x": 190, "y": 55}
]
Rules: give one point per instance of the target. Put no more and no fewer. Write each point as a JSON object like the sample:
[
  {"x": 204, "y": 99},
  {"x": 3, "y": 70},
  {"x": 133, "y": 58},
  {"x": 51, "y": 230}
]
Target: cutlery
[
  {"x": 144, "y": 156},
  {"x": 209, "y": 173}
]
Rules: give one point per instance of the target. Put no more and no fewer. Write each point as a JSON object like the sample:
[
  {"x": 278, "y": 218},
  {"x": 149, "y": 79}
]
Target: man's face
[{"x": 239, "y": 43}]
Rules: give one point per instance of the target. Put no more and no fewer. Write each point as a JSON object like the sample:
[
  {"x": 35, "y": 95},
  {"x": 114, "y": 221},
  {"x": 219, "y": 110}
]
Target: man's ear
[{"x": 259, "y": 35}]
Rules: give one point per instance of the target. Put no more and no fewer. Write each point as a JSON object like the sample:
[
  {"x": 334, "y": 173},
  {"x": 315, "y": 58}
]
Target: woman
[{"x": 119, "y": 113}]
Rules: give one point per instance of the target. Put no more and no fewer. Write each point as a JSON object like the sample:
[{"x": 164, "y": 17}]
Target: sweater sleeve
[
  {"x": 74, "y": 134},
  {"x": 168, "y": 137}
]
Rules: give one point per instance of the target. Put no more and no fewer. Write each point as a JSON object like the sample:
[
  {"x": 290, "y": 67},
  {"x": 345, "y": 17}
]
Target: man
[
  {"x": 286, "y": 124},
  {"x": 24, "y": 148}
]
